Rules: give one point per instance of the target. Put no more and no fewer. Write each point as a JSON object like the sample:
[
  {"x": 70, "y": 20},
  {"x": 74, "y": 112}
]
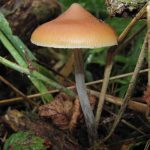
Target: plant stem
[
  {"x": 109, "y": 63},
  {"x": 136, "y": 106},
  {"x": 127, "y": 123},
  {"x": 20, "y": 60},
  {"x": 104, "y": 85},
  {"x": 14, "y": 66},
  {"x": 129, "y": 90},
  {"x": 35, "y": 75},
  {"x": 12, "y": 50},
  {"x": 83, "y": 97},
  {"x": 115, "y": 100},
  {"x": 132, "y": 23},
  {"x": 67, "y": 68},
  {"x": 17, "y": 91}
]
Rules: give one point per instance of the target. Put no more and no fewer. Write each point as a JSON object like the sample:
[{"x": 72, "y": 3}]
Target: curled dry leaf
[
  {"x": 76, "y": 114},
  {"x": 146, "y": 96},
  {"x": 63, "y": 111},
  {"x": 77, "y": 110},
  {"x": 59, "y": 110}
]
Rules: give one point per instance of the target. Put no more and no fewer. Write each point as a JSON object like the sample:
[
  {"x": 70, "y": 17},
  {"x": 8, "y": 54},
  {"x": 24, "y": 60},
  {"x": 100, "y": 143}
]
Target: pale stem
[{"x": 83, "y": 97}]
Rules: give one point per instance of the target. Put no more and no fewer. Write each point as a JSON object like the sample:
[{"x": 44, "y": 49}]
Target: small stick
[
  {"x": 129, "y": 91},
  {"x": 128, "y": 124},
  {"x": 108, "y": 68},
  {"x": 67, "y": 69},
  {"x": 109, "y": 63},
  {"x": 136, "y": 106},
  {"x": 17, "y": 99},
  {"x": 132, "y": 126},
  {"x": 17, "y": 90},
  {"x": 132, "y": 23},
  {"x": 147, "y": 145}
]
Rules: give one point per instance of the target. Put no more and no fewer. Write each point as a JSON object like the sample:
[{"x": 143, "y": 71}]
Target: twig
[
  {"x": 128, "y": 124},
  {"x": 135, "y": 139},
  {"x": 36, "y": 75},
  {"x": 109, "y": 62},
  {"x": 147, "y": 145},
  {"x": 128, "y": 40},
  {"x": 132, "y": 23},
  {"x": 12, "y": 87},
  {"x": 129, "y": 91},
  {"x": 136, "y": 106},
  {"x": 17, "y": 90},
  {"x": 133, "y": 127},
  {"x": 17, "y": 99},
  {"x": 107, "y": 72},
  {"x": 67, "y": 68},
  {"x": 115, "y": 77}
]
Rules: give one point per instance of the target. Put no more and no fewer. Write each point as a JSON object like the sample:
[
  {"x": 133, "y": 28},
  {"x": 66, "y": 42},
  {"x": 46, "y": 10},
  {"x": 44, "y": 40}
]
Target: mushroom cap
[{"x": 75, "y": 28}]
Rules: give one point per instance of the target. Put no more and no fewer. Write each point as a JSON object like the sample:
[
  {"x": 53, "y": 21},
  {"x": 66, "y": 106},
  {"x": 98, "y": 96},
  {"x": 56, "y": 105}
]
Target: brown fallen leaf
[
  {"x": 59, "y": 110},
  {"x": 64, "y": 112}
]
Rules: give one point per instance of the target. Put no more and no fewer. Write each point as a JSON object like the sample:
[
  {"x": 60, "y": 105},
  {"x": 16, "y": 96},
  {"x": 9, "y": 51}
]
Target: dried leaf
[
  {"x": 76, "y": 114},
  {"x": 59, "y": 110},
  {"x": 64, "y": 112}
]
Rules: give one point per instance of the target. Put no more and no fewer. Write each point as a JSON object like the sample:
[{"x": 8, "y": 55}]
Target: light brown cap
[{"x": 75, "y": 28}]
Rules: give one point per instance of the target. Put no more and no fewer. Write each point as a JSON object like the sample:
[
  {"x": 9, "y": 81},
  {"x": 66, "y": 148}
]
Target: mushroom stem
[{"x": 83, "y": 97}]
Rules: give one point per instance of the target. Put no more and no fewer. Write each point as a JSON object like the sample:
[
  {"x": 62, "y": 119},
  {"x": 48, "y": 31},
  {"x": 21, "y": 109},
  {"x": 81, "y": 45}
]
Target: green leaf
[
  {"x": 17, "y": 49},
  {"x": 4, "y": 24},
  {"x": 119, "y": 24},
  {"x": 21, "y": 47},
  {"x": 95, "y": 57},
  {"x": 121, "y": 59},
  {"x": 24, "y": 141},
  {"x": 37, "y": 75},
  {"x": 45, "y": 71}
]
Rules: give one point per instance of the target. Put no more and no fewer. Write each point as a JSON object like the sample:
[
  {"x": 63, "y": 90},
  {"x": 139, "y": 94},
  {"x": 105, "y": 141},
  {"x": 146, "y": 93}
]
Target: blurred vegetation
[{"x": 96, "y": 7}]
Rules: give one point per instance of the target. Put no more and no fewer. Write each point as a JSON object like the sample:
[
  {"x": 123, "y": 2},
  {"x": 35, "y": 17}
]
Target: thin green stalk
[
  {"x": 51, "y": 83},
  {"x": 14, "y": 66},
  {"x": 19, "y": 59},
  {"x": 36, "y": 75},
  {"x": 12, "y": 50}
]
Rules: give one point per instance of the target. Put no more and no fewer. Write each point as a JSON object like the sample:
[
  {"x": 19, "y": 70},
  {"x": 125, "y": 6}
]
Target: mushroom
[{"x": 76, "y": 29}]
